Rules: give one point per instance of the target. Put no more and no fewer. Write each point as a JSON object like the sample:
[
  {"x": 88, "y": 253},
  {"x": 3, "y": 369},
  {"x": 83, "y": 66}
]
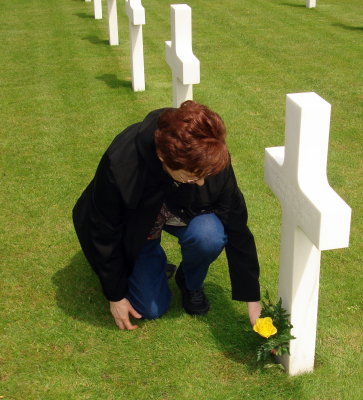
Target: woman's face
[{"x": 183, "y": 176}]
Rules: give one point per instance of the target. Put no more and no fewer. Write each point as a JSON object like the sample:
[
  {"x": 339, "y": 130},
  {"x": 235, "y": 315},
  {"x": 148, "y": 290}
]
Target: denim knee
[
  {"x": 149, "y": 292},
  {"x": 206, "y": 234},
  {"x": 153, "y": 309}
]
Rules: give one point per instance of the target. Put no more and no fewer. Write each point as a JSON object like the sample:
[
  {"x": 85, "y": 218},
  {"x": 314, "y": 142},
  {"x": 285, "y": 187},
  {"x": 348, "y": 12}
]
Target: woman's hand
[
  {"x": 120, "y": 311},
  {"x": 254, "y": 311}
]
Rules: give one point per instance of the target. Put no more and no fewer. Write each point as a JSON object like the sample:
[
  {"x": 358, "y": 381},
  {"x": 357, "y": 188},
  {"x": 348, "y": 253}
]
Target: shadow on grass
[
  {"x": 294, "y": 5},
  {"x": 80, "y": 296},
  {"x": 232, "y": 330},
  {"x": 235, "y": 338},
  {"x": 83, "y": 15},
  {"x": 79, "y": 293},
  {"x": 237, "y": 341},
  {"x": 96, "y": 40},
  {"x": 348, "y": 27},
  {"x": 113, "y": 82}
]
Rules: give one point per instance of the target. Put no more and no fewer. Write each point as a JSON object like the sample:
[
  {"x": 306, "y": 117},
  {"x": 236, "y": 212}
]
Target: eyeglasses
[
  {"x": 189, "y": 180},
  {"x": 178, "y": 175}
]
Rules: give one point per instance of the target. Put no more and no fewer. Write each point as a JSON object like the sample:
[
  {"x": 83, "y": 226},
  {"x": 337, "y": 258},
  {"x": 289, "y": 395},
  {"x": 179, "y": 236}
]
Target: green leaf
[{"x": 280, "y": 341}]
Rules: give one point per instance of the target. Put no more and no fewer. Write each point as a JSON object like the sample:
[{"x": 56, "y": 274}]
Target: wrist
[
  {"x": 254, "y": 311},
  {"x": 117, "y": 301}
]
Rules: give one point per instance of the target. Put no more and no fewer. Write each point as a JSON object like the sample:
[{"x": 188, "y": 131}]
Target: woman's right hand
[{"x": 120, "y": 311}]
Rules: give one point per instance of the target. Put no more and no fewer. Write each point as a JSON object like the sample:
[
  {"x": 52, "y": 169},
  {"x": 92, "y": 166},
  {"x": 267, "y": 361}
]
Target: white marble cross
[
  {"x": 314, "y": 218},
  {"x": 136, "y": 14},
  {"x": 112, "y": 22},
  {"x": 310, "y": 3},
  {"x": 179, "y": 54},
  {"x": 97, "y": 7}
]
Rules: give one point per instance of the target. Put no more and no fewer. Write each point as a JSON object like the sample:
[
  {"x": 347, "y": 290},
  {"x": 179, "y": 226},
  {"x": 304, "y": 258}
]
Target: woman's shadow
[
  {"x": 230, "y": 327},
  {"x": 80, "y": 296},
  {"x": 79, "y": 293}
]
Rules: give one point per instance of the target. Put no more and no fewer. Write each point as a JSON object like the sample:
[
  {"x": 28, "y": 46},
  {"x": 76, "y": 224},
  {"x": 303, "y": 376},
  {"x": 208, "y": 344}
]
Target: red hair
[{"x": 192, "y": 138}]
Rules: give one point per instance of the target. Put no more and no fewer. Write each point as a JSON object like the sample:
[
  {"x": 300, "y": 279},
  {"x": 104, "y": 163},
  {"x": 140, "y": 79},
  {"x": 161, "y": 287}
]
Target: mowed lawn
[{"x": 65, "y": 93}]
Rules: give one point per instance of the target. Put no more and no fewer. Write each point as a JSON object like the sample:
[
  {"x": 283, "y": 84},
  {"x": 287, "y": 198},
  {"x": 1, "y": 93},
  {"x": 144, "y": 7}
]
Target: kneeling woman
[{"x": 170, "y": 172}]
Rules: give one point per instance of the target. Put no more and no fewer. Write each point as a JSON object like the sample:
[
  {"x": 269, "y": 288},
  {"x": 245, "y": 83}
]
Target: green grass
[{"x": 65, "y": 93}]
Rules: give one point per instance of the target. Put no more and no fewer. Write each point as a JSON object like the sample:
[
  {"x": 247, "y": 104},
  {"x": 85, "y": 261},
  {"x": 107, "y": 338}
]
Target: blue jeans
[{"x": 201, "y": 242}]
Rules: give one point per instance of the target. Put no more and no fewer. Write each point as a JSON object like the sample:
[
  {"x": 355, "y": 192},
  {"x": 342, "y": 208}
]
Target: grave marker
[
  {"x": 112, "y": 22},
  {"x": 97, "y": 7},
  {"x": 136, "y": 14},
  {"x": 314, "y": 218},
  {"x": 310, "y": 3},
  {"x": 179, "y": 54}
]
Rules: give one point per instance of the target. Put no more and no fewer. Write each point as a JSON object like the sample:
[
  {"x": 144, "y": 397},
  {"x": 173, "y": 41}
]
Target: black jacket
[{"x": 117, "y": 210}]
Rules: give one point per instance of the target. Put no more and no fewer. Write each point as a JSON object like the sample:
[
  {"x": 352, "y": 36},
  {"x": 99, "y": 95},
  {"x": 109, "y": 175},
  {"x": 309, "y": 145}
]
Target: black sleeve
[
  {"x": 240, "y": 249},
  {"x": 99, "y": 218}
]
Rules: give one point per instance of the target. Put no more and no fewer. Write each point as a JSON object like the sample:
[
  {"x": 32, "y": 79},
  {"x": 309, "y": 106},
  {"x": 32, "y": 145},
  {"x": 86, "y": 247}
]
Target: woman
[{"x": 169, "y": 172}]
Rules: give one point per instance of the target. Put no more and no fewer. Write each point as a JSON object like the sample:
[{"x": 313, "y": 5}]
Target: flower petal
[{"x": 265, "y": 327}]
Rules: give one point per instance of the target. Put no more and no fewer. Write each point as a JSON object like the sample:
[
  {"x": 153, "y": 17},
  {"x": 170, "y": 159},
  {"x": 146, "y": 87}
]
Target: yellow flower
[{"x": 265, "y": 327}]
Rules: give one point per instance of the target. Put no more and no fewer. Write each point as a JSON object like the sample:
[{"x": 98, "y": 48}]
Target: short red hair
[{"x": 192, "y": 138}]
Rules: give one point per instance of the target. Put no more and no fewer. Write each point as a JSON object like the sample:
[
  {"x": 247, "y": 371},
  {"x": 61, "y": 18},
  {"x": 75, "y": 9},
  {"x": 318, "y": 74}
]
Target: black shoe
[
  {"x": 169, "y": 270},
  {"x": 195, "y": 302}
]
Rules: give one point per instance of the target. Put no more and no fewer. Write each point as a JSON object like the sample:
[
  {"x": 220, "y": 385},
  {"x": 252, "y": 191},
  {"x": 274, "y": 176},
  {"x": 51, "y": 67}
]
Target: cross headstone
[
  {"x": 314, "y": 218},
  {"x": 97, "y": 7},
  {"x": 136, "y": 14},
  {"x": 112, "y": 22},
  {"x": 179, "y": 54},
  {"x": 310, "y": 3}
]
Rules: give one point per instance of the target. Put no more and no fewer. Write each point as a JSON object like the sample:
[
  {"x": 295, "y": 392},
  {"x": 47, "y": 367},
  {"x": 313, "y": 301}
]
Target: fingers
[
  {"x": 126, "y": 321},
  {"x": 119, "y": 323},
  {"x": 125, "y": 324},
  {"x": 128, "y": 325},
  {"x": 134, "y": 313},
  {"x": 120, "y": 311}
]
